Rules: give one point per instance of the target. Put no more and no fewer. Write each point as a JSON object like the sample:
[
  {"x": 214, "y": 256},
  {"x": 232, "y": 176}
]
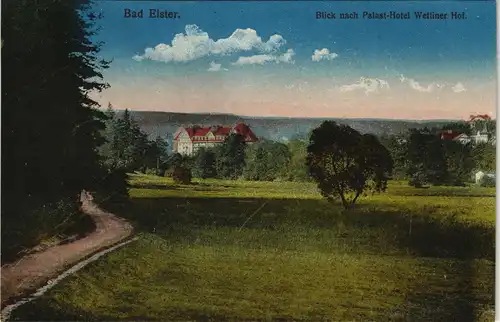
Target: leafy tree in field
[
  {"x": 484, "y": 157},
  {"x": 205, "y": 164},
  {"x": 279, "y": 157},
  {"x": 174, "y": 161},
  {"x": 231, "y": 157},
  {"x": 255, "y": 163},
  {"x": 433, "y": 160},
  {"x": 436, "y": 160},
  {"x": 487, "y": 125},
  {"x": 296, "y": 169},
  {"x": 347, "y": 164},
  {"x": 459, "y": 162},
  {"x": 266, "y": 161},
  {"x": 426, "y": 159},
  {"x": 396, "y": 144},
  {"x": 156, "y": 153}
]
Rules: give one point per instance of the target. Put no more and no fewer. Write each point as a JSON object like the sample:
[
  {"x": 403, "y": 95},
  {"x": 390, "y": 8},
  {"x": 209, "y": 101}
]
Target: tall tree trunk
[{"x": 355, "y": 198}]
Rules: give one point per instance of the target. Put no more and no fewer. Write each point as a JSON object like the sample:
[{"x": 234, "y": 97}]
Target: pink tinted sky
[
  {"x": 274, "y": 58},
  {"x": 372, "y": 98}
]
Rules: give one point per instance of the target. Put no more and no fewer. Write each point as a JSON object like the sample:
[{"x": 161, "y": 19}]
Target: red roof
[
  {"x": 479, "y": 116},
  {"x": 244, "y": 130},
  {"x": 450, "y": 135},
  {"x": 218, "y": 130}
]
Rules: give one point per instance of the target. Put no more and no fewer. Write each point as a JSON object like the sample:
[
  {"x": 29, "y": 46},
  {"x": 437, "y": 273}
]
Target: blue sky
[{"x": 375, "y": 65}]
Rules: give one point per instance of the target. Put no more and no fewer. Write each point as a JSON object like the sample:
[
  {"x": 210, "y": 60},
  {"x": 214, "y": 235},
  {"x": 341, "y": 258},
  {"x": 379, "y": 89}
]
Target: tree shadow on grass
[
  {"x": 418, "y": 234},
  {"x": 432, "y": 299},
  {"x": 464, "y": 293}
]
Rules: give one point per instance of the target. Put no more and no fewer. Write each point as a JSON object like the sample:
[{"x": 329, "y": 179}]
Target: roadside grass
[{"x": 236, "y": 250}]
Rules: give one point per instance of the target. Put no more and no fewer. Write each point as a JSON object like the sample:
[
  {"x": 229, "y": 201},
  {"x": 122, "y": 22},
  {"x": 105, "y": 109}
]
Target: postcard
[{"x": 249, "y": 160}]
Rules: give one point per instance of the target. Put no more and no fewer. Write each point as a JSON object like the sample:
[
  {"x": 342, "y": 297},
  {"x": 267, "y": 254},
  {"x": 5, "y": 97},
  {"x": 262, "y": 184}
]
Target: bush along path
[{"x": 34, "y": 270}]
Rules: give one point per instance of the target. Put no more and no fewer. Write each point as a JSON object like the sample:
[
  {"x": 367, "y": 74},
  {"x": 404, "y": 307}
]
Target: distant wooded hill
[{"x": 275, "y": 128}]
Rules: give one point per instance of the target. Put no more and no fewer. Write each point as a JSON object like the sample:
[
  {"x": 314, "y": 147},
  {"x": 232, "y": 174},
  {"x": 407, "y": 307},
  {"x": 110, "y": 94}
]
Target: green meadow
[{"x": 236, "y": 250}]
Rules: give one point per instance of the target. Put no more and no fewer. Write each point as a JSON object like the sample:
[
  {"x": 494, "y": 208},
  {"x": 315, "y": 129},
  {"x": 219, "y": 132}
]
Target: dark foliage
[
  {"x": 205, "y": 162},
  {"x": 231, "y": 157},
  {"x": 266, "y": 161},
  {"x": 51, "y": 128},
  {"x": 433, "y": 160},
  {"x": 128, "y": 147},
  {"x": 345, "y": 163},
  {"x": 182, "y": 175}
]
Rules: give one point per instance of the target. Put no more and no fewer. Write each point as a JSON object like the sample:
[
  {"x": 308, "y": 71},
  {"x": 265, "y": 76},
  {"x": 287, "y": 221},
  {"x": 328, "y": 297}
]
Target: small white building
[
  {"x": 463, "y": 138},
  {"x": 480, "y": 175},
  {"x": 480, "y": 137}
]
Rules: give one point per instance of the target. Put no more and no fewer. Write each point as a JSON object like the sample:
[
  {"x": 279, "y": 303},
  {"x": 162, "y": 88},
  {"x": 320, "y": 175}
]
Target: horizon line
[{"x": 297, "y": 117}]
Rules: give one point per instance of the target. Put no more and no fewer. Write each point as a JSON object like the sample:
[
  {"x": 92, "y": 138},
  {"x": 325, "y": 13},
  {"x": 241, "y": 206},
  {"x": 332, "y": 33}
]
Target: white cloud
[
  {"x": 288, "y": 56},
  {"x": 416, "y": 85},
  {"x": 214, "y": 67},
  {"x": 458, "y": 88},
  {"x": 256, "y": 59},
  {"x": 195, "y": 43},
  {"x": 263, "y": 59},
  {"x": 370, "y": 85},
  {"x": 323, "y": 54},
  {"x": 138, "y": 58}
]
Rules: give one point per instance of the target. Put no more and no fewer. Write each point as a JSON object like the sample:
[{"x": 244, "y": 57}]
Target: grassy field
[{"x": 235, "y": 250}]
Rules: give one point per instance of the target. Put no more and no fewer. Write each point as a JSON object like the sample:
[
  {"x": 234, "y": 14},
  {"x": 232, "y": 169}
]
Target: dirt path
[{"x": 34, "y": 270}]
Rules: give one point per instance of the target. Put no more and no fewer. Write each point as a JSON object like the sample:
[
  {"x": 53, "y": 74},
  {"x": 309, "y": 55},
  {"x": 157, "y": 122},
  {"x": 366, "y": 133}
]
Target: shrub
[
  {"x": 161, "y": 172},
  {"x": 181, "y": 175},
  {"x": 151, "y": 171},
  {"x": 487, "y": 181},
  {"x": 417, "y": 180}
]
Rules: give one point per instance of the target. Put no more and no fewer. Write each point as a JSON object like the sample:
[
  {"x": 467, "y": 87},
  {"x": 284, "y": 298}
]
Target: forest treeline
[{"x": 420, "y": 156}]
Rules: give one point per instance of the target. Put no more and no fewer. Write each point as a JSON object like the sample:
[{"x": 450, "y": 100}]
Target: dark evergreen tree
[
  {"x": 128, "y": 147},
  {"x": 156, "y": 154},
  {"x": 231, "y": 157},
  {"x": 51, "y": 127}
]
